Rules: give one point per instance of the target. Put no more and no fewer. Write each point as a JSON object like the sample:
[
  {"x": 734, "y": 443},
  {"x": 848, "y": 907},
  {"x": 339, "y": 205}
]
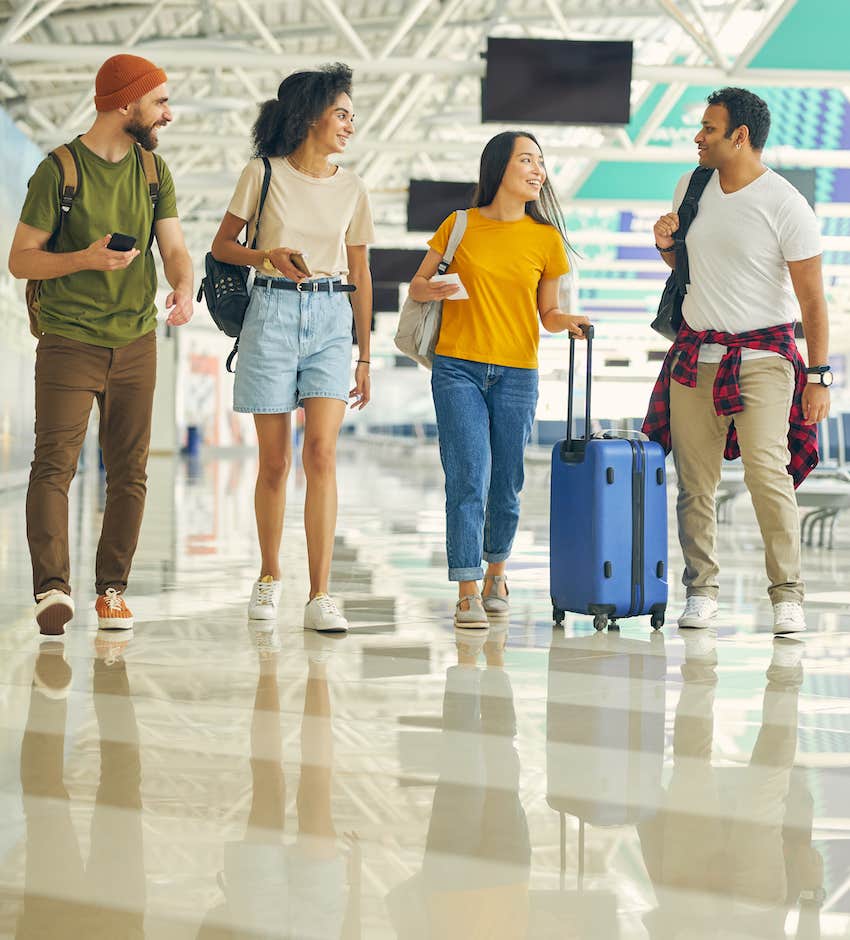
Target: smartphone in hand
[
  {"x": 119, "y": 242},
  {"x": 298, "y": 262}
]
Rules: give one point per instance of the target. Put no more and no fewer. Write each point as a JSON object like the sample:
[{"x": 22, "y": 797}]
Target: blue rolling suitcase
[{"x": 608, "y": 524}]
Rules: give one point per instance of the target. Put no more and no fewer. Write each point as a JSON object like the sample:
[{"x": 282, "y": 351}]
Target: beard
[{"x": 143, "y": 134}]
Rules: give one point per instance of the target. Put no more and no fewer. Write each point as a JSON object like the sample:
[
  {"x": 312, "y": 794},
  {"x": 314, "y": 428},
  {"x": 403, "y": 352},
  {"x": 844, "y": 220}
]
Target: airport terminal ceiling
[{"x": 418, "y": 68}]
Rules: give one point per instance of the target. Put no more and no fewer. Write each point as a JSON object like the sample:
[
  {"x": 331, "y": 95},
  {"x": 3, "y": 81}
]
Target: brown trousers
[{"x": 69, "y": 376}]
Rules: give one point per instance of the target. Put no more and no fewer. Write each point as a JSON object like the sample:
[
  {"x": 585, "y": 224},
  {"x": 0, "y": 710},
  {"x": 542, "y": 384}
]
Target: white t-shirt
[
  {"x": 317, "y": 217},
  {"x": 738, "y": 248}
]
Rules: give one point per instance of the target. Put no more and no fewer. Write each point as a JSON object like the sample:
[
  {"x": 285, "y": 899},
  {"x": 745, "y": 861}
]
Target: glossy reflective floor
[{"x": 203, "y": 780}]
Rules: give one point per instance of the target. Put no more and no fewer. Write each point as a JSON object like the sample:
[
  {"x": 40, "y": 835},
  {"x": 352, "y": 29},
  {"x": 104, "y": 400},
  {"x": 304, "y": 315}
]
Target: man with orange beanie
[{"x": 97, "y": 328}]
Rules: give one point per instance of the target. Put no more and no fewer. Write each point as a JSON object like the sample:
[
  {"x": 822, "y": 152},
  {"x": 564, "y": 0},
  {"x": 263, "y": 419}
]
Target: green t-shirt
[{"x": 103, "y": 308}]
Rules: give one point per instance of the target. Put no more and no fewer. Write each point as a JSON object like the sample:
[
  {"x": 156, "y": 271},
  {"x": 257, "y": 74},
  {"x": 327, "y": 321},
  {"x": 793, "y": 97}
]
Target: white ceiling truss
[{"x": 417, "y": 67}]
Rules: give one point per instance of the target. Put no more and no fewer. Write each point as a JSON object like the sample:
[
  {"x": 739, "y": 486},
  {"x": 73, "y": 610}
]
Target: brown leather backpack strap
[
  {"x": 148, "y": 161},
  {"x": 151, "y": 170},
  {"x": 69, "y": 180},
  {"x": 69, "y": 183}
]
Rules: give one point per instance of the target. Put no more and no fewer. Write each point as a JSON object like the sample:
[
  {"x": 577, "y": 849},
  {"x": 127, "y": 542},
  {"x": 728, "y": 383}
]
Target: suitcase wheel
[
  {"x": 657, "y": 618},
  {"x": 600, "y": 621},
  {"x": 557, "y": 615}
]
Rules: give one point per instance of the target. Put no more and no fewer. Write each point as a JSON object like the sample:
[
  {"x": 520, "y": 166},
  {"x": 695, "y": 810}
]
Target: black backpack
[
  {"x": 225, "y": 286},
  {"x": 669, "y": 317}
]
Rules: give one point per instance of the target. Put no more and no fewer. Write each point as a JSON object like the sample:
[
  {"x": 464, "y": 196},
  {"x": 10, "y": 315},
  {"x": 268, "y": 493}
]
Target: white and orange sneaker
[{"x": 112, "y": 611}]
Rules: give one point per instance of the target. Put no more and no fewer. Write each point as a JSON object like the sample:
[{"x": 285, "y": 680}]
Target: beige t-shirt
[{"x": 317, "y": 217}]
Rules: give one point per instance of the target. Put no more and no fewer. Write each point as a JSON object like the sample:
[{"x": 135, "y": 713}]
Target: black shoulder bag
[
  {"x": 225, "y": 286},
  {"x": 669, "y": 317}
]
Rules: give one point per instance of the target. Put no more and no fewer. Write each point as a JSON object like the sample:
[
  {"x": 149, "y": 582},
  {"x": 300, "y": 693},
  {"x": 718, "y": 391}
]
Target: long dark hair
[
  {"x": 283, "y": 122},
  {"x": 494, "y": 161}
]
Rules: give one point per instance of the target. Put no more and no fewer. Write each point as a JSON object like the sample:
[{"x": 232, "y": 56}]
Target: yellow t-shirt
[{"x": 501, "y": 265}]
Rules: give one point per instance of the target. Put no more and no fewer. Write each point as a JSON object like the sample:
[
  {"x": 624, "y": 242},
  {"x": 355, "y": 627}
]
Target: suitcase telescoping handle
[{"x": 587, "y": 329}]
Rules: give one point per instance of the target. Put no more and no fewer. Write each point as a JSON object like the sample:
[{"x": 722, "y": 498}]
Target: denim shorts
[{"x": 293, "y": 345}]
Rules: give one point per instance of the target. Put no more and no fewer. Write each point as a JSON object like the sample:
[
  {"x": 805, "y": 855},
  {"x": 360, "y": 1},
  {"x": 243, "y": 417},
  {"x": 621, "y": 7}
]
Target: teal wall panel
[
  {"x": 620, "y": 180},
  {"x": 825, "y": 24}
]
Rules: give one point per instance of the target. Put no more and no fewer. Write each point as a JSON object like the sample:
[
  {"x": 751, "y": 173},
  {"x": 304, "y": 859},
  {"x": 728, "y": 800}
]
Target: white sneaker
[
  {"x": 264, "y": 599},
  {"x": 323, "y": 615},
  {"x": 53, "y": 610},
  {"x": 699, "y": 611},
  {"x": 788, "y": 617}
]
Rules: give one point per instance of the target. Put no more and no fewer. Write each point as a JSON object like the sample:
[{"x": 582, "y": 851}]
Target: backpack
[
  {"x": 669, "y": 317},
  {"x": 225, "y": 286},
  {"x": 69, "y": 184}
]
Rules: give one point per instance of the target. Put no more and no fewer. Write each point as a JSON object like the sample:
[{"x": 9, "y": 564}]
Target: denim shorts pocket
[{"x": 340, "y": 316}]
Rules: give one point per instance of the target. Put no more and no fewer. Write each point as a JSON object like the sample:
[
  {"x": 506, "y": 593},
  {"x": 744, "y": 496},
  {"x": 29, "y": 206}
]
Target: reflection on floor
[{"x": 201, "y": 779}]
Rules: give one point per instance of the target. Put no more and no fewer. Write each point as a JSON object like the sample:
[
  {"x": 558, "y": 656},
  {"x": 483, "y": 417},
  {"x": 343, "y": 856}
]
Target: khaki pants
[
  {"x": 69, "y": 376},
  {"x": 698, "y": 438}
]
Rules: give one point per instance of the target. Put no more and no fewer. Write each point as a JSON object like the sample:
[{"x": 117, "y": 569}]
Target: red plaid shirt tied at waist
[{"x": 802, "y": 438}]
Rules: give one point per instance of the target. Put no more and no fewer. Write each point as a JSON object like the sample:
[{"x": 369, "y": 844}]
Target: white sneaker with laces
[
  {"x": 264, "y": 599},
  {"x": 322, "y": 614},
  {"x": 699, "y": 611},
  {"x": 788, "y": 617}
]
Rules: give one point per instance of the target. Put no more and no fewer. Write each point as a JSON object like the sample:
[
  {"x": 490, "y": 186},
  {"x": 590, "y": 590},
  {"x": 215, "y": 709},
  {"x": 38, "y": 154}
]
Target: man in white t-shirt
[{"x": 754, "y": 258}]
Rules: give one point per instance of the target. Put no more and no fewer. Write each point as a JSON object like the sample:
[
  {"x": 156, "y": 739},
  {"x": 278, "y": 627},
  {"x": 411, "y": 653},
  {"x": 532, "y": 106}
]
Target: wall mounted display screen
[
  {"x": 430, "y": 202},
  {"x": 385, "y": 298},
  {"x": 557, "y": 81},
  {"x": 394, "y": 265}
]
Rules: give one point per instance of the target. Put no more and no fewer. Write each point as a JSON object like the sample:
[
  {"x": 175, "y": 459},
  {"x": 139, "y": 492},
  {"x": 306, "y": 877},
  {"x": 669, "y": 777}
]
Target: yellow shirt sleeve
[
  {"x": 557, "y": 262},
  {"x": 440, "y": 239}
]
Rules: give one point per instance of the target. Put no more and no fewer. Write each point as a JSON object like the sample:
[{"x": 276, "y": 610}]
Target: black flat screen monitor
[
  {"x": 385, "y": 298},
  {"x": 803, "y": 180},
  {"x": 430, "y": 202},
  {"x": 557, "y": 81},
  {"x": 394, "y": 264}
]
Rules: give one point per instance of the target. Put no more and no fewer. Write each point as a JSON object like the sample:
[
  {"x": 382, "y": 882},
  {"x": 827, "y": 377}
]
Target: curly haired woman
[{"x": 295, "y": 345}]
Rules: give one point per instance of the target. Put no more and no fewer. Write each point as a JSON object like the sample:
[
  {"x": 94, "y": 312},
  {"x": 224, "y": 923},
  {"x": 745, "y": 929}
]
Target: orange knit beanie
[{"x": 124, "y": 79}]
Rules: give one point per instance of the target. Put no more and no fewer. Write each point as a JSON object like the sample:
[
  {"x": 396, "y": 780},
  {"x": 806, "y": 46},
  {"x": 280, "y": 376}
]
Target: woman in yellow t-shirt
[{"x": 484, "y": 379}]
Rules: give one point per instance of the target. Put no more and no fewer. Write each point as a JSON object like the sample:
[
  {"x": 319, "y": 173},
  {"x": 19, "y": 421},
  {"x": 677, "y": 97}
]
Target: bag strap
[
  {"x": 264, "y": 191},
  {"x": 150, "y": 168},
  {"x": 457, "y": 233},
  {"x": 69, "y": 181},
  {"x": 687, "y": 212}
]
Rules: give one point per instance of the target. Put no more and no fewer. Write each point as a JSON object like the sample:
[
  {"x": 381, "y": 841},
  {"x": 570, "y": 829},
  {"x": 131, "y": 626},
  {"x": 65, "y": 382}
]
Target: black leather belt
[{"x": 305, "y": 287}]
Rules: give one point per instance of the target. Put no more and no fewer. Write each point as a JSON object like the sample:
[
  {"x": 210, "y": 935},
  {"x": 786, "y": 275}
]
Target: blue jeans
[{"x": 484, "y": 418}]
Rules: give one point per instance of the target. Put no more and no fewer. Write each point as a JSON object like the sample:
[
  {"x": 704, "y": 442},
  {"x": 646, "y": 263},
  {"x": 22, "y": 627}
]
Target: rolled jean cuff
[
  {"x": 494, "y": 558},
  {"x": 466, "y": 574}
]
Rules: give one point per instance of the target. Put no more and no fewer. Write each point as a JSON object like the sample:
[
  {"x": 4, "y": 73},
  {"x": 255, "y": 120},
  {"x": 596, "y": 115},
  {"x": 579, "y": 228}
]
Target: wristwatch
[{"x": 819, "y": 375}]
